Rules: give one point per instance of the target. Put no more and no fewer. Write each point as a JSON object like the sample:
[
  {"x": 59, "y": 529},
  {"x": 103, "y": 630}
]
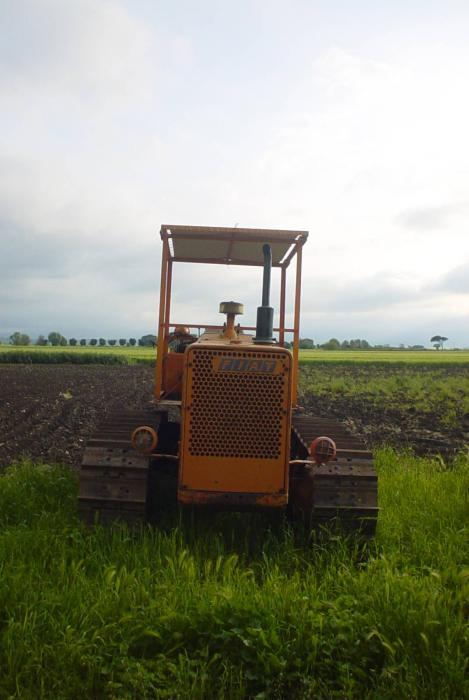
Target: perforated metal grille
[{"x": 236, "y": 414}]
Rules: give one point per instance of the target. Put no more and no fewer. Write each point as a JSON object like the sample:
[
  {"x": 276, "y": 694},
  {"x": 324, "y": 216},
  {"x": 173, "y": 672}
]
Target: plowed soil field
[{"x": 48, "y": 412}]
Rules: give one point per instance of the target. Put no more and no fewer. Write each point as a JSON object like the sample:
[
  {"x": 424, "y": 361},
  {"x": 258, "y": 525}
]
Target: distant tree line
[
  {"x": 361, "y": 344},
  {"x": 55, "y": 339},
  {"x": 334, "y": 344}
]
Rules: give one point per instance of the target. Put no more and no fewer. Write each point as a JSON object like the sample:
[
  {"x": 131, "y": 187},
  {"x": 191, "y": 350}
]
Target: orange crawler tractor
[{"x": 224, "y": 430}]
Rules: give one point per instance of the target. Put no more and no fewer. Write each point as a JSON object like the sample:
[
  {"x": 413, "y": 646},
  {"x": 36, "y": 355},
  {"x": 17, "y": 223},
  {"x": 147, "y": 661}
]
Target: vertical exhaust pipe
[
  {"x": 265, "y": 313},
  {"x": 266, "y": 276}
]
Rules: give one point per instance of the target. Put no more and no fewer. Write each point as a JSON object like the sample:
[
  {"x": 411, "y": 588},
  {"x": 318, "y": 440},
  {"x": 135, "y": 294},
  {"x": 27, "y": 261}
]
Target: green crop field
[
  {"x": 77, "y": 355},
  {"x": 438, "y": 391},
  {"x": 386, "y": 356},
  {"x": 137, "y": 355},
  {"x": 236, "y": 606}
]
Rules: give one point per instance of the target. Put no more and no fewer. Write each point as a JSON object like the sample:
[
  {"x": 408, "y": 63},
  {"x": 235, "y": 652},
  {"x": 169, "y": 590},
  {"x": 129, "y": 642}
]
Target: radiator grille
[{"x": 236, "y": 414}]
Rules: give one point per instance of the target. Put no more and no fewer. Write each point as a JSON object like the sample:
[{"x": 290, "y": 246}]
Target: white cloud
[
  {"x": 82, "y": 48},
  {"x": 115, "y": 121}
]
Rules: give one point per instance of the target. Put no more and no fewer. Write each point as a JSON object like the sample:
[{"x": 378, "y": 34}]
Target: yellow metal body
[
  {"x": 236, "y": 422},
  {"x": 236, "y": 396}
]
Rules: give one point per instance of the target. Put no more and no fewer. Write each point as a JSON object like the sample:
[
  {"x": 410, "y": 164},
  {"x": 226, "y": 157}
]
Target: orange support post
[
  {"x": 283, "y": 277},
  {"x": 296, "y": 325},
  {"x": 161, "y": 329},
  {"x": 167, "y": 308}
]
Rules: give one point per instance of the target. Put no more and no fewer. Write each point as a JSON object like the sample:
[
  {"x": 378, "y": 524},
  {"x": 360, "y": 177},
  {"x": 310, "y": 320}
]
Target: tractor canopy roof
[{"x": 230, "y": 246}]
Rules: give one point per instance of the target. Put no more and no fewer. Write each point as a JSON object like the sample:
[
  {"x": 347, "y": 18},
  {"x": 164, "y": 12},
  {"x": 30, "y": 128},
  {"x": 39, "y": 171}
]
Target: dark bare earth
[{"x": 48, "y": 412}]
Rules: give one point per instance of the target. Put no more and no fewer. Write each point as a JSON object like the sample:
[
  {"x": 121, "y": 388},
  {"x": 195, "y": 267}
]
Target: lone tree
[
  {"x": 147, "y": 341},
  {"x": 18, "y": 338},
  {"x": 83, "y": 341},
  {"x": 73, "y": 341},
  {"x": 357, "y": 344},
  {"x": 111, "y": 342},
  {"x": 56, "y": 338},
  {"x": 102, "y": 341},
  {"x": 93, "y": 341},
  {"x": 41, "y": 340},
  {"x": 132, "y": 341},
  {"x": 438, "y": 341},
  {"x": 122, "y": 342},
  {"x": 332, "y": 344}
]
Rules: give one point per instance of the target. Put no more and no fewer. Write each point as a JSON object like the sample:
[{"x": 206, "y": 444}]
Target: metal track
[
  {"x": 345, "y": 489},
  {"x": 113, "y": 477}
]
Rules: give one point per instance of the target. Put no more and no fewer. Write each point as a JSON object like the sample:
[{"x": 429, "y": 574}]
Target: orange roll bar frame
[{"x": 297, "y": 239}]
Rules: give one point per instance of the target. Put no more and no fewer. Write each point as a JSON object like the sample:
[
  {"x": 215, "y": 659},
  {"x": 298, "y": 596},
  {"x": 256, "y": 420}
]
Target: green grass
[
  {"x": 386, "y": 356},
  {"x": 232, "y": 607},
  {"x": 136, "y": 355}
]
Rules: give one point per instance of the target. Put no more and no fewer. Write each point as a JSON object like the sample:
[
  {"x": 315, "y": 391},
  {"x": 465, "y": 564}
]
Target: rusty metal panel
[
  {"x": 344, "y": 490},
  {"x": 173, "y": 368},
  {"x": 307, "y": 428},
  {"x": 346, "y": 467},
  {"x": 349, "y": 454},
  {"x": 113, "y": 457},
  {"x": 232, "y": 501},
  {"x": 113, "y": 484},
  {"x": 113, "y": 477}
]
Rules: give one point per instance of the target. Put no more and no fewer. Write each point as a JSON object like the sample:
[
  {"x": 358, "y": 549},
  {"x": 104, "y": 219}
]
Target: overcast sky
[{"x": 347, "y": 119}]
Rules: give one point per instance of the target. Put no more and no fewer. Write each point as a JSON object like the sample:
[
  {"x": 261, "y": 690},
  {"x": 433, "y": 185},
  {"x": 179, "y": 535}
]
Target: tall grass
[{"x": 236, "y": 606}]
